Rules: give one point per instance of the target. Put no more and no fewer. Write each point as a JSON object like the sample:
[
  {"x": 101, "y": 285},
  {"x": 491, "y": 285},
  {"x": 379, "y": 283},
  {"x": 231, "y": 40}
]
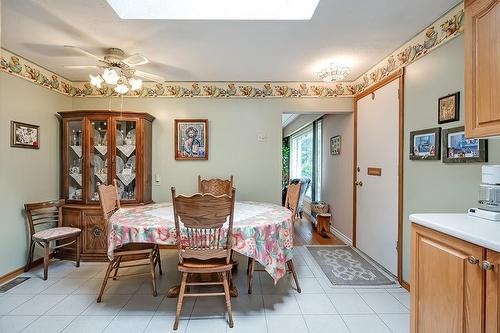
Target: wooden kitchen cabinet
[
  {"x": 447, "y": 283},
  {"x": 482, "y": 68},
  {"x": 492, "y": 292}
]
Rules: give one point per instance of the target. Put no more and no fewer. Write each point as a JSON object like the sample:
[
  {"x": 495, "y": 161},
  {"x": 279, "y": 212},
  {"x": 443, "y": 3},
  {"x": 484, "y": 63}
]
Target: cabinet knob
[
  {"x": 488, "y": 266},
  {"x": 473, "y": 260}
]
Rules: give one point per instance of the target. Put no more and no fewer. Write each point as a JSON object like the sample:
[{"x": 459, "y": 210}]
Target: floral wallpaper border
[{"x": 444, "y": 29}]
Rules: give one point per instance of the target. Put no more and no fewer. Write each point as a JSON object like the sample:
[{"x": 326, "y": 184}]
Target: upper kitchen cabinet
[{"x": 482, "y": 68}]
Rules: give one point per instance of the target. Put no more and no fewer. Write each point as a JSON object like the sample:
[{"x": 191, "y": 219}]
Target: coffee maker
[{"x": 489, "y": 194}]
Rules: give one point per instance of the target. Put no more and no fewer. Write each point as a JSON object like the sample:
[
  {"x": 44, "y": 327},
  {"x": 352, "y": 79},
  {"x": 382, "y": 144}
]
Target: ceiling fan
[{"x": 119, "y": 69}]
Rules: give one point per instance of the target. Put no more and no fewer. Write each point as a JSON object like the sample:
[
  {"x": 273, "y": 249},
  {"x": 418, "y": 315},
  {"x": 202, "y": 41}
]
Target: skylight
[{"x": 215, "y": 9}]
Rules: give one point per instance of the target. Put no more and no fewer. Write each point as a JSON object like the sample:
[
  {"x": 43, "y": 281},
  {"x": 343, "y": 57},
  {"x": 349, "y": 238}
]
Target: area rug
[{"x": 346, "y": 266}]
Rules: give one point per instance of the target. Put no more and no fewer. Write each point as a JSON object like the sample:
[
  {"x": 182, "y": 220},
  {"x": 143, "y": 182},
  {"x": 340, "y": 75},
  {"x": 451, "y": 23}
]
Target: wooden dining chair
[
  {"x": 205, "y": 247},
  {"x": 139, "y": 252},
  {"x": 215, "y": 186},
  {"x": 292, "y": 201},
  {"x": 49, "y": 216}
]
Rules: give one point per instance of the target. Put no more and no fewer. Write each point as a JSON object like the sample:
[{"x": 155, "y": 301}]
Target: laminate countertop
[{"x": 474, "y": 230}]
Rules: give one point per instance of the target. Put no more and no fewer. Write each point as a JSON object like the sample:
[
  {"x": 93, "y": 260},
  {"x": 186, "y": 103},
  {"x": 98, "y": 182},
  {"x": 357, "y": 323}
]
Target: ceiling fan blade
[
  {"x": 149, "y": 76},
  {"x": 135, "y": 60},
  {"x": 82, "y": 67},
  {"x": 87, "y": 53}
]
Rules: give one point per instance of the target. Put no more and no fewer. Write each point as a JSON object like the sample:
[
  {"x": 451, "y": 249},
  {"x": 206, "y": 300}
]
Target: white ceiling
[{"x": 356, "y": 33}]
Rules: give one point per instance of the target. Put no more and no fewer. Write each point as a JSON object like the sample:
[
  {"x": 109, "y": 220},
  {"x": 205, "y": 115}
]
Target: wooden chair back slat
[
  {"x": 203, "y": 217},
  {"x": 215, "y": 186},
  {"x": 47, "y": 213},
  {"x": 108, "y": 197}
]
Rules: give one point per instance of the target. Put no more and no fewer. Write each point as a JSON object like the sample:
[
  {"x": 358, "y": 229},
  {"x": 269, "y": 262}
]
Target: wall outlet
[{"x": 261, "y": 137}]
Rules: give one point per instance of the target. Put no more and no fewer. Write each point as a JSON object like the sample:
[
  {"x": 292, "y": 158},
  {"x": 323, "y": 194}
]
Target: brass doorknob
[{"x": 358, "y": 183}]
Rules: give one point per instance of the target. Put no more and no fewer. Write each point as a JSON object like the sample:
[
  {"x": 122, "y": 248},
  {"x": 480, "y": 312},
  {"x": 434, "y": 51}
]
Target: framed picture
[
  {"x": 191, "y": 139},
  {"x": 24, "y": 135},
  {"x": 425, "y": 144},
  {"x": 458, "y": 149},
  {"x": 449, "y": 108},
  {"x": 335, "y": 145}
]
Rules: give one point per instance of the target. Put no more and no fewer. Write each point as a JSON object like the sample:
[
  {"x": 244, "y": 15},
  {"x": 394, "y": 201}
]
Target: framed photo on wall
[
  {"x": 425, "y": 144},
  {"x": 449, "y": 108},
  {"x": 458, "y": 149},
  {"x": 191, "y": 139},
  {"x": 24, "y": 135},
  {"x": 335, "y": 145}
]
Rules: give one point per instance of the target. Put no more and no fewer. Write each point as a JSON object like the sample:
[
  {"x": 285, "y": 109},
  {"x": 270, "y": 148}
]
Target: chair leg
[
  {"x": 118, "y": 262},
  {"x": 251, "y": 268},
  {"x": 291, "y": 267},
  {"x": 228, "y": 299},
  {"x": 180, "y": 298},
  {"x": 106, "y": 277},
  {"x": 46, "y": 254},
  {"x": 152, "y": 267},
  {"x": 30, "y": 256},
  {"x": 158, "y": 260},
  {"x": 78, "y": 251},
  {"x": 249, "y": 261}
]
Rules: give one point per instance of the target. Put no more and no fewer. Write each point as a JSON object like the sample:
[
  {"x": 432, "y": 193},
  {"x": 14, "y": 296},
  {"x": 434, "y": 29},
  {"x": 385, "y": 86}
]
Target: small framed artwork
[
  {"x": 24, "y": 135},
  {"x": 458, "y": 149},
  {"x": 191, "y": 139},
  {"x": 425, "y": 144},
  {"x": 449, "y": 108},
  {"x": 335, "y": 145}
]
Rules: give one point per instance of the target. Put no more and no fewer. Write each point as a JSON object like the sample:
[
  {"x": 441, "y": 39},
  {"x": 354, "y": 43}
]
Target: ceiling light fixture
[
  {"x": 333, "y": 73},
  {"x": 215, "y": 10},
  {"x": 115, "y": 77}
]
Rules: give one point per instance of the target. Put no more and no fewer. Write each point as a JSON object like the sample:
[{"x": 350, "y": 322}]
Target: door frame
[{"x": 398, "y": 75}]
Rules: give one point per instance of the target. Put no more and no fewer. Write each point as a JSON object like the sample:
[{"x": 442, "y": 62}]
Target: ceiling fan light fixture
[
  {"x": 334, "y": 73},
  {"x": 135, "y": 84},
  {"x": 111, "y": 76},
  {"x": 96, "y": 80},
  {"x": 121, "y": 89}
]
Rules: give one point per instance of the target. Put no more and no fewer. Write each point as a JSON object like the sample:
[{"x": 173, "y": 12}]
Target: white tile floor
[{"x": 66, "y": 303}]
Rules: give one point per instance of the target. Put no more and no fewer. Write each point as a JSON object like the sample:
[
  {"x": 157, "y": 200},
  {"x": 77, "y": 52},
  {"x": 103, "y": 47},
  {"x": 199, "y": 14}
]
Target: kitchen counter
[{"x": 474, "y": 230}]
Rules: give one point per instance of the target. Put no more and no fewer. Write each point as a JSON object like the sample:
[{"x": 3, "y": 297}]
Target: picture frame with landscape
[
  {"x": 458, "y": 149},
  {"x": 425, "y": 144}
]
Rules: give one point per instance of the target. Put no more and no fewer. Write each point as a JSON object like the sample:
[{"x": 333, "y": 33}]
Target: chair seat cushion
[
  {"x": 214, "y": 265},
  {"x": 55, "y": 233}
]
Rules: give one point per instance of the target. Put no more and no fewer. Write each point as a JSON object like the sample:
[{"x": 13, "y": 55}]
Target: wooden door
[
  {"x": 493, "y": 293},
  {"x": 95, "y": 236},
  {"x": 482, "y": 68},
  {"x": 447, "y": 283}
]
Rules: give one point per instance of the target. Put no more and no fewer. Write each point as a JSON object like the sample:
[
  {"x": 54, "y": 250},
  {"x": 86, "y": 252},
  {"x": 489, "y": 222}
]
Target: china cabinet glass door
[
  {"x": 98, "y": 136},
  {"x": 74, "y": 132},
  {"x": 125, "y": 158}
]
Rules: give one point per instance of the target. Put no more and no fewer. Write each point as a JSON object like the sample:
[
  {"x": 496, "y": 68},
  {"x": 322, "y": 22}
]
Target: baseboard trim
[
  {"x": 11, "y": 275},
  {"x": 337, "y": 233},
  {"x": 405, "y": 285}
]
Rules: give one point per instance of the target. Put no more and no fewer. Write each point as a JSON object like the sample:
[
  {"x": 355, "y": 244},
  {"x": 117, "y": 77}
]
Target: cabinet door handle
[
  {"x": 488, "y": 266},
  {"x": 473, "y": 260}
]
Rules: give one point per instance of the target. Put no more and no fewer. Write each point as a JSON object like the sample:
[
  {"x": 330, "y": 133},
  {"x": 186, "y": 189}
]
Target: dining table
[{"x": 262, "y": 231}]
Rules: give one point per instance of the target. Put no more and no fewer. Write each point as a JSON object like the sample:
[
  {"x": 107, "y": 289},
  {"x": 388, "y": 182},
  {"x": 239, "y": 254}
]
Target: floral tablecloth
[{"x": 261, "y": 231}]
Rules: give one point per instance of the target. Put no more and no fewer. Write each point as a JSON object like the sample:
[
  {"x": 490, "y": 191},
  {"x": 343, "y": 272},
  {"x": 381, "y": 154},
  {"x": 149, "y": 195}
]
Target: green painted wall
[{"x": 432, "y": 186}]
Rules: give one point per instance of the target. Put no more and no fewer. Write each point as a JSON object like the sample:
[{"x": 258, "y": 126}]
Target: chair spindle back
[{"x": 203, "y": 217}]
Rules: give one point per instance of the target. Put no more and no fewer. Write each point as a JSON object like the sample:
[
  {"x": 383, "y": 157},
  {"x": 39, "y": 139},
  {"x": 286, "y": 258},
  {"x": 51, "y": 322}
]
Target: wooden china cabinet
[{"x": 97, "y": 147}]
